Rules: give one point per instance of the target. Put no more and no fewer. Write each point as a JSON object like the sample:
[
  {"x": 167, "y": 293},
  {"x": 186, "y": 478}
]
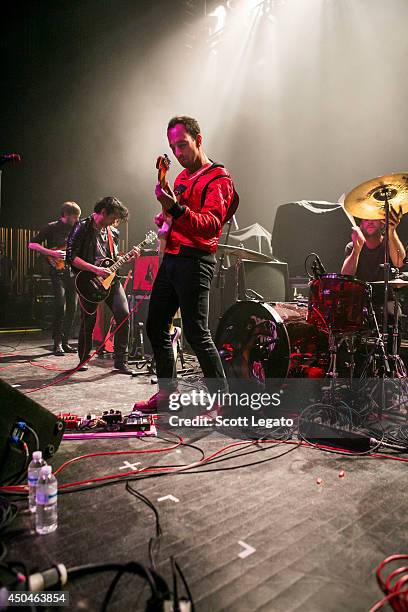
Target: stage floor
[{"x": 254, "y": 532}]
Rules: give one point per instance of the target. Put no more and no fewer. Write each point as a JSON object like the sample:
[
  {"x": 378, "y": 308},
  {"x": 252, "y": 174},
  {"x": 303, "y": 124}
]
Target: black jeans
[
  {"x": 183, "y": 282},
  {"x": 65, "y": 295},
  {"x": 118, "y": 304}
]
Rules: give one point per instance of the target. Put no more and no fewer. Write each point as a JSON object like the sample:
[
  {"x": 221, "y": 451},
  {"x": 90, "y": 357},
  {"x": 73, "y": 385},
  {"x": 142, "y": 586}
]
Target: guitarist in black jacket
[{"x": 91, "y": 241}]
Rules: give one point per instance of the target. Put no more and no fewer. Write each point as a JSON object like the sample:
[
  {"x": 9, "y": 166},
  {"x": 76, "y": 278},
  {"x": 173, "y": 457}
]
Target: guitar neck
[{"x": 124, "y": 258}]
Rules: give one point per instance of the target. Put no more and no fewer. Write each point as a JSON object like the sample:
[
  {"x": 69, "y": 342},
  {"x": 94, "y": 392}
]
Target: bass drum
[{"x": 258, "y": 341}]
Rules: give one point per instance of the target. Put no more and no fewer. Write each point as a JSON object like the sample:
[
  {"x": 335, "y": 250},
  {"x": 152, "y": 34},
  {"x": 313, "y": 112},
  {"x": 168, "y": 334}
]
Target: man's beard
[{"x": 377, "y": 234}]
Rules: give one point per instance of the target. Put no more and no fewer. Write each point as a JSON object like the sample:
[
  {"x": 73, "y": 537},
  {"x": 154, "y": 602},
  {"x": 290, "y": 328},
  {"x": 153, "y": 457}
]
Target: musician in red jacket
[{"x": 206, "y": 200}]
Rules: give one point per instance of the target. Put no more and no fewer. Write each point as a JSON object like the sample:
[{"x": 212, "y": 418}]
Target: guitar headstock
[
  {"x": 162, "y": 164},
  {"x": 150, "y": 238}
]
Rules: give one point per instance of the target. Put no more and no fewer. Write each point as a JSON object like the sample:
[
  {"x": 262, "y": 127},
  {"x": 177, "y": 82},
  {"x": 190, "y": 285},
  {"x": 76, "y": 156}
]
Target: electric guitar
[
  {"x": 57, "y": 263},
  {"x": 163, "y": 165},
  {"x": 94, "y": 288}
]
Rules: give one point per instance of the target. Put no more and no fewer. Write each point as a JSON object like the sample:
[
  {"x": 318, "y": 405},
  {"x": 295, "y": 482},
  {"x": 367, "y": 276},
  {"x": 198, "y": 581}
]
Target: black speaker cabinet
[
  {"x": 269, "y": 280},
  {"x": 22, "y": 420}
]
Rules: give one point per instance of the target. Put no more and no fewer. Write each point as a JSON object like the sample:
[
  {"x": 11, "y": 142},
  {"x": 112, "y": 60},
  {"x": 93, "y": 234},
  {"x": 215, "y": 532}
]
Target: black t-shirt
[
  {"x": 54, "y": 234},
  {"x": 369, "y": 263},
  {"x": 102, "y": 246},
  {"x": 369, "y": 270}
]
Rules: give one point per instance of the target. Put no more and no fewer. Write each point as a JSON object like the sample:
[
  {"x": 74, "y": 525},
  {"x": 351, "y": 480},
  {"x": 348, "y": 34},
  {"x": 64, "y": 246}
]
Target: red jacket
[{"x": 207, "y": 201}]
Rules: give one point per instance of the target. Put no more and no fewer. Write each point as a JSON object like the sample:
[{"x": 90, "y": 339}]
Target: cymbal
[
  {"x": 396, "y": 283},
  {"x": 243, "y": 253},
  {"x": 367, "y": 200}
]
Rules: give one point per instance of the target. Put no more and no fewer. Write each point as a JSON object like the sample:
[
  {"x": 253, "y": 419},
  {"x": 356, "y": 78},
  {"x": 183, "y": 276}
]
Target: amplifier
[
  {"x": 23, "y": 420},
  {"x": 144, "y": 272}
]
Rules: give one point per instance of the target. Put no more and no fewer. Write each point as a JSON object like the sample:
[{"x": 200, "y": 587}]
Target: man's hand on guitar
[
  {"x": 166, "y": 198},
  {"x": 99, "y": 271},
  {"x": 57, "y": 254},
  {"x": 136, "y": 252}
]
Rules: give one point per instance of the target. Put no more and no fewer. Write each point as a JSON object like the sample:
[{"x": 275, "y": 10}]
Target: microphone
[
  {"x": 322, "y": 269},
  {"x": 10, "y": 157}
]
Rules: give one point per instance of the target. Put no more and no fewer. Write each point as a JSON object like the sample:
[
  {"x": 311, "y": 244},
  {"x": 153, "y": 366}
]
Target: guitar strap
[{"x": 110, "y": 242}]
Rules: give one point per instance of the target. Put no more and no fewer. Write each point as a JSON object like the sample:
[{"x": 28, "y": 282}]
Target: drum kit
[{"x": 258, "y": 340}]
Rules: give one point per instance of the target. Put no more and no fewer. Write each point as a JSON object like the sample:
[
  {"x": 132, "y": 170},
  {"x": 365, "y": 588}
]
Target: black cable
[
  {"x": 19, "y": 341},
  {"x": 176, "y": 606},
  {"x": 8, "y": 513},
  {"x": 159, "y": 532},
  {"x": 189, "y": 595},
  {"x": 112, "y": 587},
  {"x": 17, "y": 477},
  {"x": 133, "y": 567}
]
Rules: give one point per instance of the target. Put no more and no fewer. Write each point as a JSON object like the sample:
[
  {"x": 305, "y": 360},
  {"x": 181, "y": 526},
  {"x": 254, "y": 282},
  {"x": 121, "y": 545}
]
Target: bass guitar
[
  {"x": 94, "y": 288},
  {"x": 163, "y": 165}
]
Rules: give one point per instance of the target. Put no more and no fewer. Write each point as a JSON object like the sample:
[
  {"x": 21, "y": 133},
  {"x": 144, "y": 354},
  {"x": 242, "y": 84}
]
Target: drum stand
[
  {"x": 333, "y": 348},
  {"x": 398, "y": 366},
  {"x": 380, "y": 339}
]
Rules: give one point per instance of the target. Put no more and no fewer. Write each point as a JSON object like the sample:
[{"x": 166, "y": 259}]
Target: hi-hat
[
  {"x": 367, "y": 200},
  {"x": 243, "y": 253}
]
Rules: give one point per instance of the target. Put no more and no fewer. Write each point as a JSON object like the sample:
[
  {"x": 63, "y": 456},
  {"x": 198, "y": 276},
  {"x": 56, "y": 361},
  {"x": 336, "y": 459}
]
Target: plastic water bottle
[
  {"x": 33, "y": 471},
  {"x": 46, "y": 519}
]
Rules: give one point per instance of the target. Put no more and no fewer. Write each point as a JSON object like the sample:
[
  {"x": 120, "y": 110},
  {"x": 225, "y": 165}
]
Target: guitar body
[
  {"x": 58, "y": 264},
  {"x": 92, "y": 288},
  {"x": 96, "y": 289}
]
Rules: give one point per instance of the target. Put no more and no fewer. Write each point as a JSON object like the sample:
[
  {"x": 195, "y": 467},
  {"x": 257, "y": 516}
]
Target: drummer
[{"x": 365, "y": 253}]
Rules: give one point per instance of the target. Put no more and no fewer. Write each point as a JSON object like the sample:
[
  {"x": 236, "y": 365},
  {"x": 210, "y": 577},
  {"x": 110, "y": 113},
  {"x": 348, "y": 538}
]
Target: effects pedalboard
[{"x": 111, "y": 422}]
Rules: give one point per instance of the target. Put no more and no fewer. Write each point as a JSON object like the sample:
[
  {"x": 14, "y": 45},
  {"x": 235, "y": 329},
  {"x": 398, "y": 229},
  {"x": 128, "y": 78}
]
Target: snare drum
[
  {"x": 259, "y": 341},
  {"x": 339, "y": 303}
]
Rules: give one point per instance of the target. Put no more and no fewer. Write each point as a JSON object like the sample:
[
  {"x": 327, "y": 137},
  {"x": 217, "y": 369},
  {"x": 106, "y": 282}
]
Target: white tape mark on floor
[
  {"x": 170, "y": 497},
  {"x": 129, "y": 466},
  {"x": 248, "y": 550}
]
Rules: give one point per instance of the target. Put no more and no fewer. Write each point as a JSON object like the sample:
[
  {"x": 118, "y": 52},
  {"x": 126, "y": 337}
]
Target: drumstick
[{"x": 348, "y": 215}]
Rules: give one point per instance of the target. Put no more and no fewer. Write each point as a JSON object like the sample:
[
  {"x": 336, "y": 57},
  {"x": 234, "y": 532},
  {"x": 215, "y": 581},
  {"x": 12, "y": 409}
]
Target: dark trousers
[
  {"x": 63, "y": 285},
  {"x": 118, "y": 304},
  {"x": 184, "y": 282}
]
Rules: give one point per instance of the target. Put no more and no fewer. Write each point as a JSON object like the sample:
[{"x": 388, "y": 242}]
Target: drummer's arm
[
  {"x": 351, "y": 262},
  {"x": 396, "y": 248}
]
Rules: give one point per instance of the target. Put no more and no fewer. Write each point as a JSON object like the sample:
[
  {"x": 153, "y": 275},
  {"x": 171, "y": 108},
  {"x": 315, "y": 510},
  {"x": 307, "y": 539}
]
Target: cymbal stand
[
  {"x": 380, "y": 340},
  {"x": 398, "y": 367},
  {"x": 383, "y": 195}
]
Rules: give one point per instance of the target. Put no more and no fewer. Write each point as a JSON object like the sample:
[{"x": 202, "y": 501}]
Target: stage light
[{"x": 220, "y": 13}]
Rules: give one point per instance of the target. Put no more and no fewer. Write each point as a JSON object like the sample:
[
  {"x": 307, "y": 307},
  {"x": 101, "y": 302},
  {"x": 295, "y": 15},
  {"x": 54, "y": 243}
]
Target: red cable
[
  {"x": 20, "y": 488},
  {"x": 389, "y": 598},
  {"x": 71, "y": 372},
  {"x": 395, "y": 591}
]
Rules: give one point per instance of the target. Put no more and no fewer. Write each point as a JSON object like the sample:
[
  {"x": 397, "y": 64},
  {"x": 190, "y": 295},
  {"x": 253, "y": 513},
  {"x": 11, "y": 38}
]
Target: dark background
[{"x": 304, "y": 101}]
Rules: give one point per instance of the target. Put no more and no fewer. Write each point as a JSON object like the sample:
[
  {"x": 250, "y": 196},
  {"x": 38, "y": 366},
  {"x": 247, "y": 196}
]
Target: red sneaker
[{"x": 158, "y": 401}]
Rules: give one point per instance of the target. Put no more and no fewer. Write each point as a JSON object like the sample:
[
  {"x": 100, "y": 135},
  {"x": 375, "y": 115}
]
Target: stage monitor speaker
[
  {"x": 269, "y": 279},
  {"x": 22, "y": 420}
]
